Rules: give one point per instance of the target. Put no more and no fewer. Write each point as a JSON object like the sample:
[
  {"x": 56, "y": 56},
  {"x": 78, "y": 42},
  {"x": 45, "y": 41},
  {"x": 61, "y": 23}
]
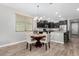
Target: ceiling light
[
  {"x": 40, "y": 18},
  {"x": 77, "y": 9},
  {"x": 43, "y": 16},
  {"x": 56, "y": 13},
  {"x": 59, "y": 16},
  {"x": 48, "y": 18},
  {"x": 35, "y": 18}
]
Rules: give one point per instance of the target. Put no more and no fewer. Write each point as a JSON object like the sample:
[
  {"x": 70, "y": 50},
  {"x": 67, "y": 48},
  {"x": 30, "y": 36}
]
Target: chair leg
[
  {"x": 27, "y": 46},
  {"x": 30, "y": 47},
  {"x": 43, "y": 44},
  {"x": 46, "y": 46},
  {"x": 49, "y": 44}
]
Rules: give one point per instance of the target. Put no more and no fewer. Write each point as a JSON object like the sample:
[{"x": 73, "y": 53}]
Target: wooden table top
[{"x": 38, "y": 36}]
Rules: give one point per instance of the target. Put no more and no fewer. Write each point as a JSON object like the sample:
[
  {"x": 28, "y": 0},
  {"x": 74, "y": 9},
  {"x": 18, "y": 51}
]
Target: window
[{"x": 23, "y": 23}]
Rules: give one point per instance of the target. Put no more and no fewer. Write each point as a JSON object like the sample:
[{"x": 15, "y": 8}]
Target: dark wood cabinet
[
  {"x": 56, "y": 25},
  {"x": 42, "y": 24},
  {"x": 50, "y": 25},
  {"x": 64, "y": 22},
  {"x": 45, "y": 24},
  {"x": 66, "y": 37}
]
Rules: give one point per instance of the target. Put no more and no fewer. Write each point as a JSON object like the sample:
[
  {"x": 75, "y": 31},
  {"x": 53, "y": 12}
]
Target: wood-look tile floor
[{"x": 69, "y": 49}]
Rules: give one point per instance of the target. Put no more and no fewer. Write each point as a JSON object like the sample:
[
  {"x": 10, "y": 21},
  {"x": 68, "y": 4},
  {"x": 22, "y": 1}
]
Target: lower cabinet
[
  {"x": 57, "y": 37},
  {"x": 66, "y": 37},
  {"x": 60, "y": 37}
]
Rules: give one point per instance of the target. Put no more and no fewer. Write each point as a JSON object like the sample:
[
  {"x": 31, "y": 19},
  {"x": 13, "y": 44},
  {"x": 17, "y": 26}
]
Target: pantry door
[{"x": 75, "y": 28}]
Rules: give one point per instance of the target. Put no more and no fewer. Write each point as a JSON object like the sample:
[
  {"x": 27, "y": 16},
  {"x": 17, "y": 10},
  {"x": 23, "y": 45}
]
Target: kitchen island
[{"x": 57, "y": 36}]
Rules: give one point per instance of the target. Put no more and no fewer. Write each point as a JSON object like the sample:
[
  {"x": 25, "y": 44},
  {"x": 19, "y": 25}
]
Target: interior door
[{"x": 75, "y": 28}]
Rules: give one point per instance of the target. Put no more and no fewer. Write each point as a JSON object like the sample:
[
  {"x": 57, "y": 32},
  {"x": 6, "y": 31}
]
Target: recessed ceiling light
[
  {"x": 77, "y": 9},
  {"x": 40, "y": 18},
  {"x": 48, "y": 18},
  {"x": 43, "y": 16},
  {"x": 56, "y": 13},
  {"x": 35, "y": 18},
  {"x": 59, "y": 16}
]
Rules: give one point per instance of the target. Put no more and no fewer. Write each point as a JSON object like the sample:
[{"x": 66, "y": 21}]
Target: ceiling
[{"x": 54, "y": 11}]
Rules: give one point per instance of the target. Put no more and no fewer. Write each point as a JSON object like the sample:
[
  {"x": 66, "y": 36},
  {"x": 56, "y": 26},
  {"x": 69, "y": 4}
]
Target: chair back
[
  {"x": 46, "y": 38},
  {"x": 28, "y": 36}
]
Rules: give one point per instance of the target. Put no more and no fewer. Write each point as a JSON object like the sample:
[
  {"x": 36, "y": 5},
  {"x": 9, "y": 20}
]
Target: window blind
[{"x": 23, "y": 23}]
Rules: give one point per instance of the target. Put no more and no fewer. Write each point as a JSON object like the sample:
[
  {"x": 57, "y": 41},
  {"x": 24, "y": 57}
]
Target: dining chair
[
  {"x": 29, "y": 40},
  {"x": 45, "y": 40}
]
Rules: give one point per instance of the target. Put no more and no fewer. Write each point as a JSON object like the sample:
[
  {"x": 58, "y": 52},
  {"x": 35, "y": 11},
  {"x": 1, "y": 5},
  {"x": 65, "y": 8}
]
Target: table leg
[{"x": 38, "y": 43}]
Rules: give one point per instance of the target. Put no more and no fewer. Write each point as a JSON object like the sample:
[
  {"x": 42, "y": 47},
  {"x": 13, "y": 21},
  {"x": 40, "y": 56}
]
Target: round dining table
[{"x": 38, "y": 37}]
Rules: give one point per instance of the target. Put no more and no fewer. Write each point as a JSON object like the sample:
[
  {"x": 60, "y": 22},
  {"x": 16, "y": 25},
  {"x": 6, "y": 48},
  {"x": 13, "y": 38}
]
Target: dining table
[{"x": 38, "y": 37}]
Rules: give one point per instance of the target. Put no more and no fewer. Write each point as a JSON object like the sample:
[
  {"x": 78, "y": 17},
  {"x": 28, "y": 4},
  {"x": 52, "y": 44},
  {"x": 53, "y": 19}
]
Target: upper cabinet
[
  {"x": 50, "y": 25},
  {"x": 56, "y": 25},
  {"x": 42, "y": 24},
  {"x": 64, "y": 22},
  {"x": 46, "y": 24}
]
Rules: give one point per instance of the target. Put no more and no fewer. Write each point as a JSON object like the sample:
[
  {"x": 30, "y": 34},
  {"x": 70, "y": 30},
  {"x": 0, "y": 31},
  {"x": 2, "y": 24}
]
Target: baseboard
[
  {"x": 13, "y": 43},
  {"x": 57, "y": 41}
]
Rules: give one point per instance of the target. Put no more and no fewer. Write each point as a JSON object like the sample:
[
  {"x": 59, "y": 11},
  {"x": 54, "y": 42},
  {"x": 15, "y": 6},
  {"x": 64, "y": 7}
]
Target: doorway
[{"x": 74, "y": 29}]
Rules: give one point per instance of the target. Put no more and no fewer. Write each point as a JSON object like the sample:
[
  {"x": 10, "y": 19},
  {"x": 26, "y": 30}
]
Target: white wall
[{"x": 8, "y": 33}]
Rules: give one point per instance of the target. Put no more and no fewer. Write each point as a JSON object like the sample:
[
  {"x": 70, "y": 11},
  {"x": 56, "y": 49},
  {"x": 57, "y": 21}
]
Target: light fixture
[
  {"x": 35, "y": 18},
  {"x": 56, "y": 13},
  {"x": 77, "y": 9},
  {"x": 37, "y": 12},
  {"x": 40, "y": 18},
  {"x": 48, "y": 18},
  {"x": 59, "y": 16},
  {"x": 43, "y": 16}
]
